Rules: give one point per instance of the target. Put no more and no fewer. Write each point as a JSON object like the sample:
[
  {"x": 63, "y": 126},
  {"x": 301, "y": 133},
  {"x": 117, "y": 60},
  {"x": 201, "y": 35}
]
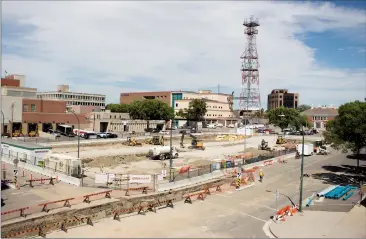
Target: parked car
[
  {"x": 112, "y": 135},
  {"x": 211, "y": 126},
  {"x": 102, "y": 135},
  {"x": 55, "y": 133},
  {"x": 219, "y": 125},
  {"x": 231, "y": 126}
]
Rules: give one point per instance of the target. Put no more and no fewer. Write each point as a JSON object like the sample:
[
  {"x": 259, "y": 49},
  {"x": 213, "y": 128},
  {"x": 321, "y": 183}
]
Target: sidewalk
[{"x": 323, "y": 224}]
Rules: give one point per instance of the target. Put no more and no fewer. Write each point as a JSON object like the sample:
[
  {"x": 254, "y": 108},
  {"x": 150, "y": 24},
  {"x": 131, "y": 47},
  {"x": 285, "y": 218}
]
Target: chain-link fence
[{"x": 224, "y": 164}]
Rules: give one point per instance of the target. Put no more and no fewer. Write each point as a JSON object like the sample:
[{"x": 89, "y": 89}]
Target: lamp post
[
  {"x": 302, "y": 165},
  {"x": 171, "y": 150},
  {"x": 78, "y": 131}
]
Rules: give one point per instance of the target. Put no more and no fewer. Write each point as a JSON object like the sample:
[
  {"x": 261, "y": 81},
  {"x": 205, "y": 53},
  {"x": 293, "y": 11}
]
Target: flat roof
[
  {"x": 68, "y": 92},
  {"x": 23, "y": 145}
]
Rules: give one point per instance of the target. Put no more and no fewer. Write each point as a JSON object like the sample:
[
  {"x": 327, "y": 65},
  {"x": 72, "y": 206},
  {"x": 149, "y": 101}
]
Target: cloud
[{"x": 114, "y": 47}]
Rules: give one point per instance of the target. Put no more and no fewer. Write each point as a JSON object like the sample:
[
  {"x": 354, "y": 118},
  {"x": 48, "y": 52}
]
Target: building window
[
  {"x": 33, "y": 107},
  {"x": 25, "y": 108},
  {"x": 176, "y": 104}
]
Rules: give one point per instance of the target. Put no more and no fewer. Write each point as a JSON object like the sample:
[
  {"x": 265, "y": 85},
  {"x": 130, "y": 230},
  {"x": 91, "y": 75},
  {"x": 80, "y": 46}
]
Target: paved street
[{"x": 227, "y": 214}]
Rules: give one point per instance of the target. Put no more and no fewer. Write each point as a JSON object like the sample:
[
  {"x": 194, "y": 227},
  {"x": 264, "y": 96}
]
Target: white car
[
  {"x": 211, "y": 126},
  {"x": 219, "y": 125},
  {"x": 231, "y": 126}
]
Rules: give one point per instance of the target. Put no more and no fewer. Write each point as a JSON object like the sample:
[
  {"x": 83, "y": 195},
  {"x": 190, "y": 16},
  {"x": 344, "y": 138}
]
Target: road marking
[
  {"x": 260, "y": 205},
  {"x": 237, "y": 211}
]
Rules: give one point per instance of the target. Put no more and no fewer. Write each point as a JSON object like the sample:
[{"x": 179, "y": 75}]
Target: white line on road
[{"x": 260, "y": 205}]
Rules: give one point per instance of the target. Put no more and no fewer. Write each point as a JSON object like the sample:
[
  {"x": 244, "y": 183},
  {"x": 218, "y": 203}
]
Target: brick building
[
  {"x": 22, "y": 112},
  {"x": 128, "y": 98},
  {"x": 281, "y": 97},
  {"x": 320, "y": 115}
]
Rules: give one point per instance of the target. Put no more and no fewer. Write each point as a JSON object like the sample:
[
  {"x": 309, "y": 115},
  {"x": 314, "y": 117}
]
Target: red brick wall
[
  {"x": 10, "y": 82},
  {"x": 66, "y": 118},
  {"x": 47, "y": 106},
  {"x": 128, "y": 98}
]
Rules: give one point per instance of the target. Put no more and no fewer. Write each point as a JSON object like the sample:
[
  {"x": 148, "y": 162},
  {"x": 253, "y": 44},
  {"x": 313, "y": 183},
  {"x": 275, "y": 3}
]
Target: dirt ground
[{"x": 140, "y": 164}]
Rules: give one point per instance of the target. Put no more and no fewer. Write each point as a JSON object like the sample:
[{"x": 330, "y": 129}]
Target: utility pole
[
  {"x": 12, "y": 118},
  {"x": 171, "y": 151}
]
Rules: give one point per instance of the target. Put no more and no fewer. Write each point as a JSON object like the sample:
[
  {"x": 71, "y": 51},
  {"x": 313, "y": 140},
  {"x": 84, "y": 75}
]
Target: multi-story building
[
  {"x": 13, "y": 85},
  {"x": 219, "y": 106},
  {"x": 128, "y": 98},
  {"x": 281, "y": 97},
  {"x": 23, "y": 112},
  {"x": 73, "y": 98},
  {"x": 320, "y": 115}
]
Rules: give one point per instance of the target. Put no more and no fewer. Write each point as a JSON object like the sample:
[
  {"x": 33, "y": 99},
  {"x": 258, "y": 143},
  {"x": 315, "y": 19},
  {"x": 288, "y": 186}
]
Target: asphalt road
[{"x": 230, "y": 213}]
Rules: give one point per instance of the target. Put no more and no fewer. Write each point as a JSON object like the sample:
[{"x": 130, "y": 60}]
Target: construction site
[{"x": 233, "y": 184}]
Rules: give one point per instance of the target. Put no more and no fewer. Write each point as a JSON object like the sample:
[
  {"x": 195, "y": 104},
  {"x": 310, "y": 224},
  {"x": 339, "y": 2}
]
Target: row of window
[
  {"x": 71, "y": 96},
  {"x": 320, "y": 118},
  {"x": 208, "y": 106},
  {"x": 32, "y": 108},
  {"x": 84, "y": 103}
]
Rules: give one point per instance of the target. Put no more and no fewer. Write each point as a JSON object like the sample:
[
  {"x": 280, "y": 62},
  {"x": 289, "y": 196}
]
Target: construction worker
[{"x": 261, "y": 175}]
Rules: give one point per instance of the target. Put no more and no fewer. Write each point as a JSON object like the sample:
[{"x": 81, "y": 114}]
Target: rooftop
[{"x": 321, "y": 111}]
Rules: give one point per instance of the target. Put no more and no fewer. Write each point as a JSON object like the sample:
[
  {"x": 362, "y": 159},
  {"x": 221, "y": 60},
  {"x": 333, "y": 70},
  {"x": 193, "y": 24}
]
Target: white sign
[
  {"x": 140, "y": 178},
  {"x": 163, "y": 173},
  {"x": 15, "y": 172},
  {"x": 104, "y": 178}
]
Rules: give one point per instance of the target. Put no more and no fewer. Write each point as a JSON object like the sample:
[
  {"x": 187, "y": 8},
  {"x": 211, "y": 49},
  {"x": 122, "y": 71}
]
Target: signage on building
[
  {"x": 41, "y": 151},
  {"x": 140, "y": 178}
]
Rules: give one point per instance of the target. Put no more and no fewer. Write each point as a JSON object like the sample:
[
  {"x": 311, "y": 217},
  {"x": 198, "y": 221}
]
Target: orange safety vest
[{"x": 261, "y": 173}]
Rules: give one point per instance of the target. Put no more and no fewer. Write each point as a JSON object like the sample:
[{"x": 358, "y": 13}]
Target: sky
[{"x": 316, "y": 49}]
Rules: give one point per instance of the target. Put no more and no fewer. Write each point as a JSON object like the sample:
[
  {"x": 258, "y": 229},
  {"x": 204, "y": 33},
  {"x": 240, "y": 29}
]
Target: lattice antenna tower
[{"x": 250, "y": 95}]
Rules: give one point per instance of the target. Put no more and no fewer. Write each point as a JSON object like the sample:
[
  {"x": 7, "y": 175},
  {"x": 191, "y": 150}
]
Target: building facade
[
  {"x": 107, "y": 121},
  {"x": 22, "y": 114},
  {"x": 73, "y": 98},
  {"x": 319, "y": 116},
  {"x": 128, "y": 98},
  {"x": 281, "y": 97},
  {"x": 219, "y": 106}
]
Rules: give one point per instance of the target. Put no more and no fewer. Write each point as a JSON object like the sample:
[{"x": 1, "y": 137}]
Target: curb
[{"x": 267, "y": 229}]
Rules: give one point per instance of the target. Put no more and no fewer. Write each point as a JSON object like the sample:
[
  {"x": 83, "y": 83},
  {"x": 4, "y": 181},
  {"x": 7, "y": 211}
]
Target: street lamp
[
  {"x": 302, "y": 164},
  {"x": 78, "y": 130},
  {"x": 171, "y": 150}
]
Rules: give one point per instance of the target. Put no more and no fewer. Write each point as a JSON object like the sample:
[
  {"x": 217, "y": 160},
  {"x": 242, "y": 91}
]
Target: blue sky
[{"x": 315, "y": 49}]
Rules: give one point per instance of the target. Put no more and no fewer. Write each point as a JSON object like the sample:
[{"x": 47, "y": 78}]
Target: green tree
[
  {"x": 348, "y": 129},
  {"x": 196, "y": 111},
  {"x": 150, "y": 110},
  {"x": 118, "y": 108},
  {"x": 291, "y": 117},
  {"x": 302, "y": 108}
]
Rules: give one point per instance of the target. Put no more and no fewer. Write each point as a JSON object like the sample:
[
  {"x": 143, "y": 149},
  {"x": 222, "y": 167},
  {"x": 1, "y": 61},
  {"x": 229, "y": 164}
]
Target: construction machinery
[
  {"x": 132, "y": 142},
  {"x": 281, "y": 140},
  {"x": 264, "y": 145},
  {"x": 156, "y": 140},
  {"x": 195, "y": 143},
  {"x": 162, "y": 152}
]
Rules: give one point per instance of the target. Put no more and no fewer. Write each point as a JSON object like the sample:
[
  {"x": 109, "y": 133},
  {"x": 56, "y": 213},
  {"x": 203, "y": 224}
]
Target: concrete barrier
[{"x": 47, "y": 172}]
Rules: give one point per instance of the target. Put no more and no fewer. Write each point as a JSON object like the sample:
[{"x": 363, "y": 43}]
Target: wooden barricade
[
  {"x": 21, "y": 210},
  {"x": 66, "y": 204},
  {"x": 144, "y": 190},
  {"x": 40, "y": 180},
  {"x": 87, "y": 197}
]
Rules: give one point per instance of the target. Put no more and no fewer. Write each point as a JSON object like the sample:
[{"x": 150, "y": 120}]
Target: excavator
[
  {"x": 195, "y": 143},
  {"x": 156, "y": 140}
]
